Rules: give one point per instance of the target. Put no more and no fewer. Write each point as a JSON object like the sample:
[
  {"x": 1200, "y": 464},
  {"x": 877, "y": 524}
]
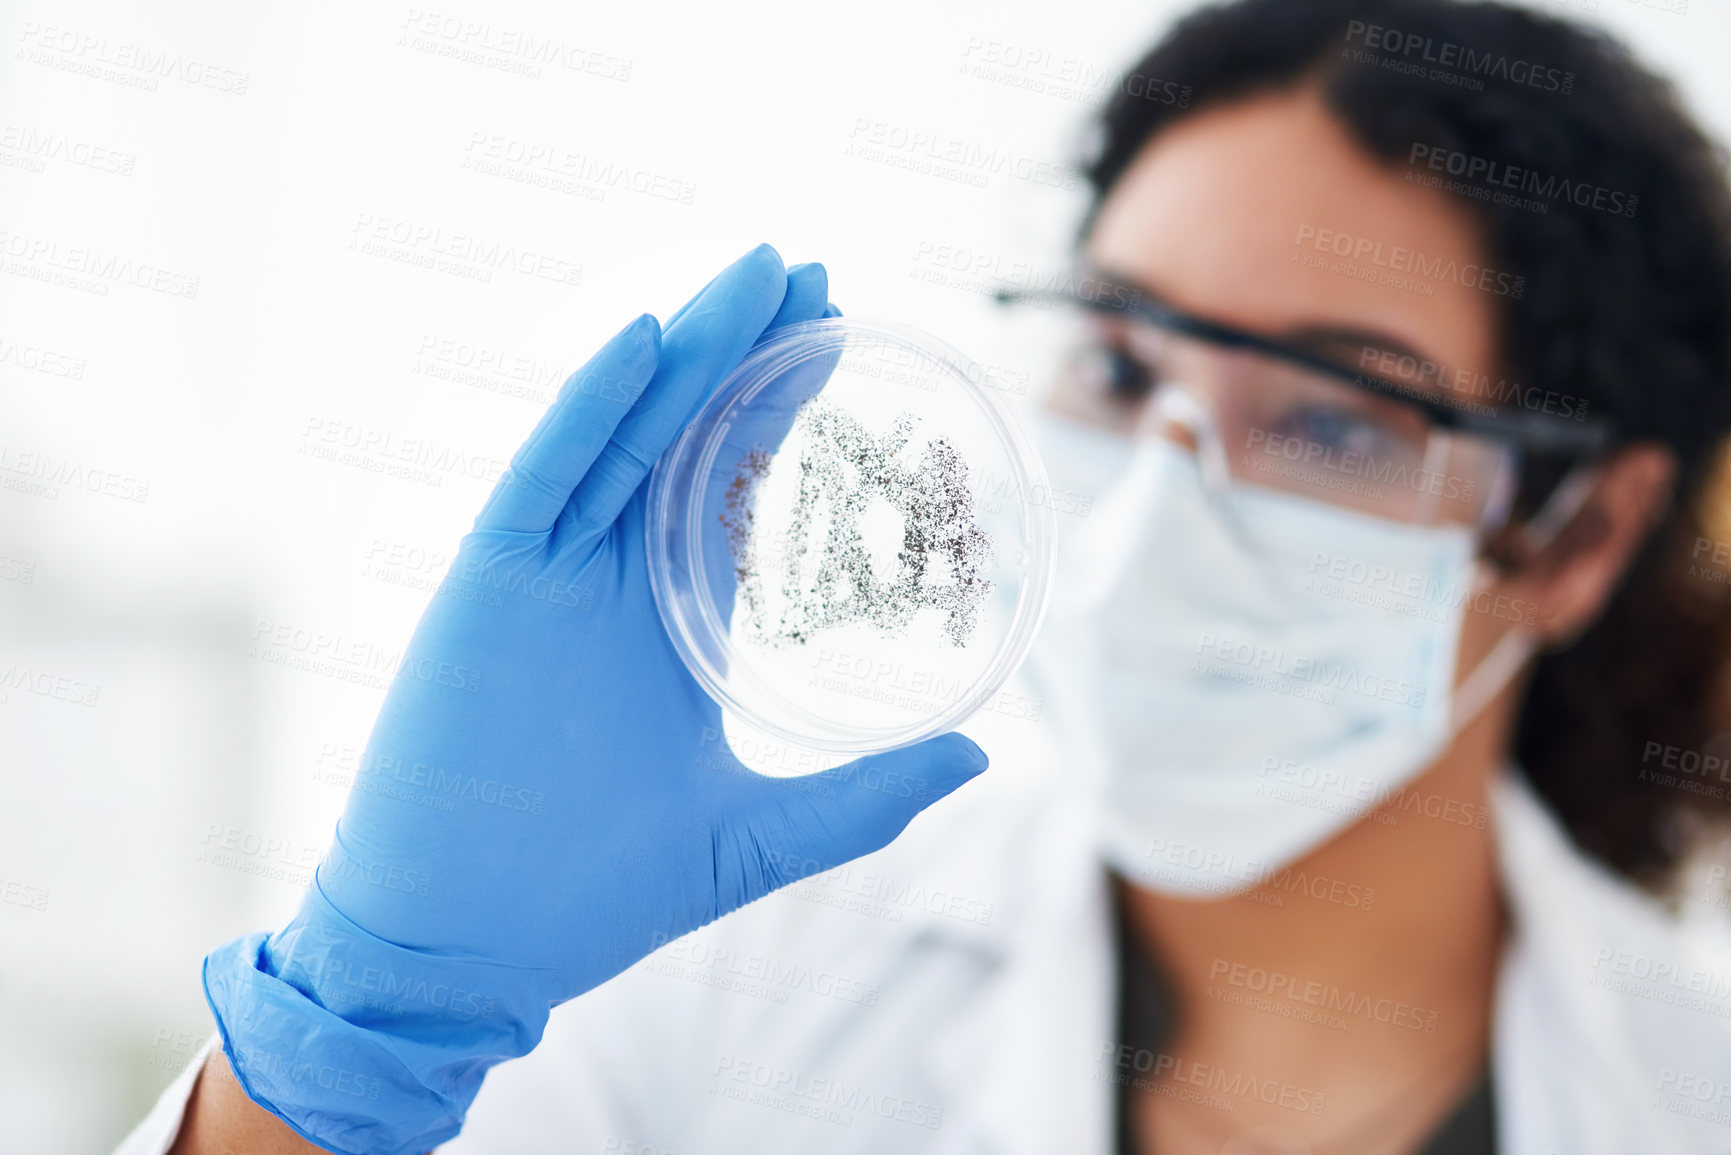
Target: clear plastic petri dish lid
[{"x": 848, "y": 546}]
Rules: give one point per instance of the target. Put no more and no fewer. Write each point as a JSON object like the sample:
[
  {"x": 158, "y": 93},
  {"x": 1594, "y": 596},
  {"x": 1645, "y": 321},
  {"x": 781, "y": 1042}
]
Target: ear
[{"x": 1573, "y": 578}]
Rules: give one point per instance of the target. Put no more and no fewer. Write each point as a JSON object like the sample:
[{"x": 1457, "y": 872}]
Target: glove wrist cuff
[{"x": 362, "y": 1046}]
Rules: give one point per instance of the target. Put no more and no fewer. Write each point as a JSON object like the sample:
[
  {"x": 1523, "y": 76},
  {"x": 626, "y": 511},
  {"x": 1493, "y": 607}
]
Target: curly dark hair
[{"x": 1629, "y": 309}]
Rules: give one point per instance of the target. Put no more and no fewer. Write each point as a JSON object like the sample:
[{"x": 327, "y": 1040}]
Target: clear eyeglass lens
[{"x": 1282, "y": 427}]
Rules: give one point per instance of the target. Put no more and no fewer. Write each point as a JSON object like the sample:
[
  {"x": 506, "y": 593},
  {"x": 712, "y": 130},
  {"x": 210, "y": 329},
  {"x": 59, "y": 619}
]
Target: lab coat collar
[
  {"x": 1580, "y": 1049},
  {"x": 1020, "y": 1071},
  {"x": 1606, "y": 1002}
]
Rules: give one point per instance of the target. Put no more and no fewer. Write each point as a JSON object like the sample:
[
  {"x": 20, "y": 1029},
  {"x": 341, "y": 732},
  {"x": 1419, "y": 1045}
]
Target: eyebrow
[
  {"x": 1346, "y": 338},
  {"x": 1322, "y": 339}
]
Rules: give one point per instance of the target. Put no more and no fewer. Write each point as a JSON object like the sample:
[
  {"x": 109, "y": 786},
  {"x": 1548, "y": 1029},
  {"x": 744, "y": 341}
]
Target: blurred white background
[{"x": 215, "y": 230}]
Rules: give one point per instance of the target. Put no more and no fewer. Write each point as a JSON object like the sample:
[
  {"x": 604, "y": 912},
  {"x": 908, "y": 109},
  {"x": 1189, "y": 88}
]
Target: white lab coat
[{"x": 955, "y": 994}]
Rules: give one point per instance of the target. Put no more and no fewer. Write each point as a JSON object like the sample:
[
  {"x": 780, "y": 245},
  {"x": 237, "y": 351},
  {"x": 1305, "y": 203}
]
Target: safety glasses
[{"x": 1396, "y": 444}]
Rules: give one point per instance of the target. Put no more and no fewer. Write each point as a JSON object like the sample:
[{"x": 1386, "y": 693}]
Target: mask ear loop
[
  {"x": 1489, "y": 676},
  {"x": 1511, "y": 651}
]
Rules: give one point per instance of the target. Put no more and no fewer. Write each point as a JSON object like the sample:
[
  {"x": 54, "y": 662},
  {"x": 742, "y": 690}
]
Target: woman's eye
[
  {"x": 1337, "y": 429},
  {"x": 1112, "y": 372}
]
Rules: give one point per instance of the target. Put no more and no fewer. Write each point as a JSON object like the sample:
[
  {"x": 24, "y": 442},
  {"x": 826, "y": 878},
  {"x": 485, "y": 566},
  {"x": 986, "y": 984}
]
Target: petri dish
[{"x": 851, "y": 545}]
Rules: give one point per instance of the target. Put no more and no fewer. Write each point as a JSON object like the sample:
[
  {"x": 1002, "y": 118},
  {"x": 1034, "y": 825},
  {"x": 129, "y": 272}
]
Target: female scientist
[{"x": 1390, "y": 654}]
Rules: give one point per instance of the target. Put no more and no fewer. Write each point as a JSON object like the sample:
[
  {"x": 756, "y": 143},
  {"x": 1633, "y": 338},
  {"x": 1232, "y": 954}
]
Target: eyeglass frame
[{"x": 1538, "y": 433}]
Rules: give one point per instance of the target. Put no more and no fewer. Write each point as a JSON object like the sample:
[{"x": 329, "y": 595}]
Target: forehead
[{"x": 1267, "y": 214}]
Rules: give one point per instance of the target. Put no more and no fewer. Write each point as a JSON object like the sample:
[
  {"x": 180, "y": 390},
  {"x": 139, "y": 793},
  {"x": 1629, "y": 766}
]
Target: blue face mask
[{"x": 1245, "y": 673}]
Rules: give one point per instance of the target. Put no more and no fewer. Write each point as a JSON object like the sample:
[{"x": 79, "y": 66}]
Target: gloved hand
[{"x": 545, "y": 797}]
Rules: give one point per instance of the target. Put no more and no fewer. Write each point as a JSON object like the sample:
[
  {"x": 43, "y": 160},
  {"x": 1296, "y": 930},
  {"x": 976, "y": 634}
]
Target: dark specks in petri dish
[{"x": 826, "y": 572}]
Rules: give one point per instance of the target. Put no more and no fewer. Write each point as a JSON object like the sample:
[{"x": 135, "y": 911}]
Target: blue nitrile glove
[{"x": 545, "y": 797}]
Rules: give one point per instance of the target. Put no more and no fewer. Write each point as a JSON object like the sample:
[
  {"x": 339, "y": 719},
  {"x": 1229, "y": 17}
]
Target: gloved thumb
[{"x": 822, "y": 820}]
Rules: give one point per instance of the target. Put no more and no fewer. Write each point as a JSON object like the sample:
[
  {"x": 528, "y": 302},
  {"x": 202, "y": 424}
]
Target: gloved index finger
[
  {"x": 573, "y": 432},
  {"x": 807, "y": 293}
]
